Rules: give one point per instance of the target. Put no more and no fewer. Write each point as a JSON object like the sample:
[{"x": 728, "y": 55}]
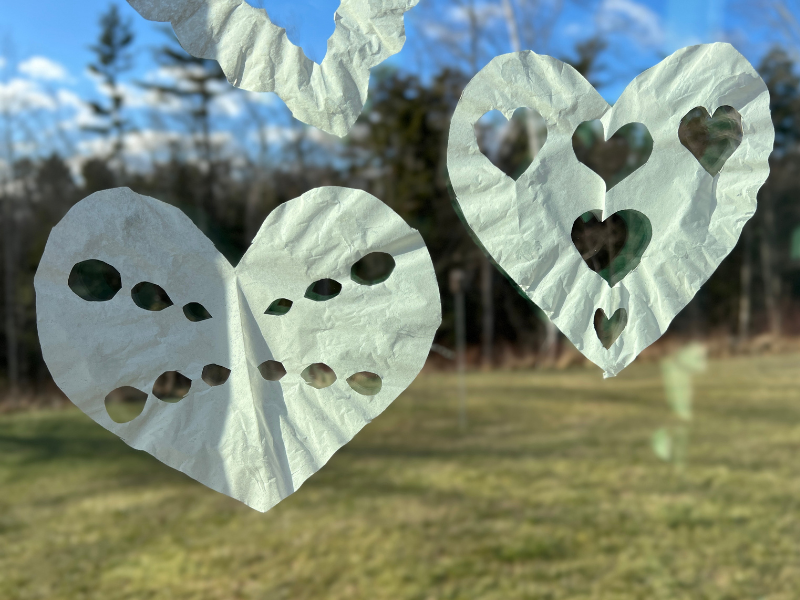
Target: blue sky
[
  {"x": 46, "y": 48},
  {"x": 63, "y": 30}
]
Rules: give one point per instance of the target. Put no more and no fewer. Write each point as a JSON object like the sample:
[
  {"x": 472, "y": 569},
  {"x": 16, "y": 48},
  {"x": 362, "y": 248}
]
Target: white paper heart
[
  {"x": 252, "y": 439},
  {"x": 696, "y": 219},
  {"x": 256, "y": 55}
]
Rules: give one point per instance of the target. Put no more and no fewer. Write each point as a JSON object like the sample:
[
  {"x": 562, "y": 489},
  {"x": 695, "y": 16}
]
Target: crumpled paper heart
[
  {"x": 696, "y": 218},
  {"x": 256, "y": 55},
  {"x": 254, "y": 439}
]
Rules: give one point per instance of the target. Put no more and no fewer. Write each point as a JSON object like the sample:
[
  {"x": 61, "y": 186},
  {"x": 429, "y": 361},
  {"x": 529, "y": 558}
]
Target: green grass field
[{"x": 552, "y": 492}]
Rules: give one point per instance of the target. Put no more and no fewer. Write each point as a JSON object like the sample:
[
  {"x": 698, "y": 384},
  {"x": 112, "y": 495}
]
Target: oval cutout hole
[
  {"x": 215, "y": 375},
  {"x": 94, "y": 281},
  {"x": 281, "y": 306},
  {"x": 365, "y": 383},
  {"x": 374, "y": 268},
  {"x": 196, "y": 312},
  {"x": 323, "y": 290},
  {"x": 125, "y": 403},
  {"x": 318, "y": 375},
  {"x": 272, "y": 370},
  {"x": 172, "y": 387},
  {"x": 150, "y": 296}
]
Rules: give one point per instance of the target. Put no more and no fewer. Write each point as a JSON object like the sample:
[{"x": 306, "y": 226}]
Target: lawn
[{"x": 552, "y": 492}]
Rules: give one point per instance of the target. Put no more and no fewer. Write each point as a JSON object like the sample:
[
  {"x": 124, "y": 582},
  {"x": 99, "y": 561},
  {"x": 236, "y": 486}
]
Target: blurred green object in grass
[
  {"x": 662, "y": 444},
  {"x": 553, "y": 493},
  {"x": 671, "y": 444},
  {"x": 678, "y": 371}
]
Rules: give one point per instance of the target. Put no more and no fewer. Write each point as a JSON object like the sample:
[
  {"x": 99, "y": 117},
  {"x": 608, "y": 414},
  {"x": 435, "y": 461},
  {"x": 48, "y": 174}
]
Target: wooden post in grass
[{"x": 457, "y": 289}]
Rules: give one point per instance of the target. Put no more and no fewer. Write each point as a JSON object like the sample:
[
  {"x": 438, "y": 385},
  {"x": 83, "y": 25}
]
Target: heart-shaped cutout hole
[
  {"x": 608, "y": 330},
  {"x": 614, "y": 247},
  {"x": 615, "y": 159},
  {"x": 711, "y": 140},
  {"x": 511, "y": 145}
]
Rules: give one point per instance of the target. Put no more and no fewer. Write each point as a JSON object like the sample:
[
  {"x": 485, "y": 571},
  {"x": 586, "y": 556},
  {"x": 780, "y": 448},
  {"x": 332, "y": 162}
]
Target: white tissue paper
[
  {"x": 251, "y": 438},
  {"x": 256, "y": 55},
  {"x": 696, "y": 218}
]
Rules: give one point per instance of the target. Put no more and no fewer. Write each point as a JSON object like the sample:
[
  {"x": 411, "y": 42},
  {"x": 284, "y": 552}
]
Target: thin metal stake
[{"x": 457, "y": 288}]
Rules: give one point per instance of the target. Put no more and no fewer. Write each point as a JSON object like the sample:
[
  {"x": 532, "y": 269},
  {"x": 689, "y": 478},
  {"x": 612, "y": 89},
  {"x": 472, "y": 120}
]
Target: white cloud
[
  {"x": 483, "y": 13},
  {"x": 637, "y": 20},
  {"x": 69, "y": 99},
  {"x": 22, "y": 95},
  {"x": 228, "y": 105},
  {"x": 41, "y": 67},
  {"x": 142, "y": 147}
]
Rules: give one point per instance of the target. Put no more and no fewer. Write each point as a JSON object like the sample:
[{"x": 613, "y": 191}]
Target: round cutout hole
[
  {"x": 172, "y": 387},
  {"x": 125, "y": 403},
  {"x": 94, "y": 281}
]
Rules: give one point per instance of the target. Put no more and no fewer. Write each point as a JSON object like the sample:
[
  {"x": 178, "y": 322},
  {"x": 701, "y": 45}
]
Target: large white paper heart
[
  {"x": 696, "y": 218},
  {"x": 256, "y": 55},
  {"x": 251, "y": 438}
]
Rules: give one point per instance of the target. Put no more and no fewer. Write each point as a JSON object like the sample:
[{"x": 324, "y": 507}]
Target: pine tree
[
  {"x": 113, "y": 57},
  {"x": 196, "y": 83}
]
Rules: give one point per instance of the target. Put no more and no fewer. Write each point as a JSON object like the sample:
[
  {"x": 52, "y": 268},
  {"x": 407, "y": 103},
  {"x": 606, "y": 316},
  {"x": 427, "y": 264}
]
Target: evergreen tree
[
  {"x": 196, "y": 82},
  {"x": 112, "y": 58}
]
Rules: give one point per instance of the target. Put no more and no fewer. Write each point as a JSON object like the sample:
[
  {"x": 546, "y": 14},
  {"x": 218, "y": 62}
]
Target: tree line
[{"x": 396, "y": 151}]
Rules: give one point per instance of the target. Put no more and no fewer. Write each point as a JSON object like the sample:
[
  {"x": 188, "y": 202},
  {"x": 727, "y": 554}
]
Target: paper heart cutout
[
  {"x": 256, "y": 55},
  {"x": 614, "y": 247},
  {"x": 696, "y": 219},
  {"x": 608, "y": 330},
  {"x": 259, "y": 435},
  {"x": 613, "y": 159},
  {"x": 511, "y": 142},
  {"x": 711, "y": 140}
]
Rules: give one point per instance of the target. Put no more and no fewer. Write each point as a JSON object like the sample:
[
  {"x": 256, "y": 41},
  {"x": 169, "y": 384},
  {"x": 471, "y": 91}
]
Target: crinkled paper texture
[
  {"x": 252, "y": 439},
  {"x": 525, "y": 225},
  {"x": 256, "y": 55}
]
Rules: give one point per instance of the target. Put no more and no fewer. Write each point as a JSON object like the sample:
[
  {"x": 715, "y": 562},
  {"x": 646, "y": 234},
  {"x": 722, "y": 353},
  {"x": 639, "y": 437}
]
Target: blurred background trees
[{"x": 227, "y": 158}]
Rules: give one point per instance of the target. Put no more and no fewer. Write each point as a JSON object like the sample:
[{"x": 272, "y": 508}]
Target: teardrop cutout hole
[{"x": 150, "y": 296}]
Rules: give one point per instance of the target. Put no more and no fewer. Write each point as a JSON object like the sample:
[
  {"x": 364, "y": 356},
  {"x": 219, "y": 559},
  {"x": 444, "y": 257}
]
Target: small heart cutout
[
  {"x": 615, "y": 159},
  {"x": 511, "y": 145},
  {"x": 608, "y": 330},
  {"x": 712, "y": 140},
  {"x": 614, "y": 247}
]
